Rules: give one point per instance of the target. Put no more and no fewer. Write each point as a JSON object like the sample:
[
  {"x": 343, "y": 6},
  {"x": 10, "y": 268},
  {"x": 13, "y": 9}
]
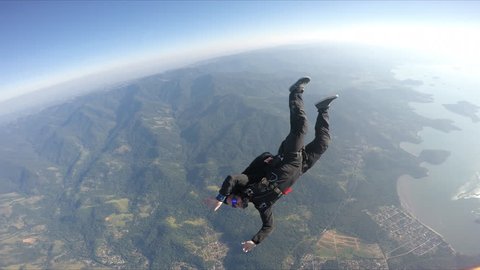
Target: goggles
[{"x": 235, "y": 202}]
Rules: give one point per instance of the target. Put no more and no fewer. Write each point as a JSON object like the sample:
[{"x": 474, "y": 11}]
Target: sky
[{"x": 44, "y": 43}]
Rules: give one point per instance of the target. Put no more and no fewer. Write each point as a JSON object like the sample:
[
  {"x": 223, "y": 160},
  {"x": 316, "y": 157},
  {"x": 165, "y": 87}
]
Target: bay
[{"x": 448, "y": 199}]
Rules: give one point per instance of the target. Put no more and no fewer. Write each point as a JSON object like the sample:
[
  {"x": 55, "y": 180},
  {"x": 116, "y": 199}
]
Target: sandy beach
[{"x": 404, "y": 194}]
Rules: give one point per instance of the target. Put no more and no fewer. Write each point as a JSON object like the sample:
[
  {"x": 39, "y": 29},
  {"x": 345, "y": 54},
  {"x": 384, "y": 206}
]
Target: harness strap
[{"x": 272, "y": 186}]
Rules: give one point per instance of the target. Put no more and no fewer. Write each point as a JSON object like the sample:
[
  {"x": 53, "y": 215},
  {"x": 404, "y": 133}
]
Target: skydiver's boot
[
  {"x": 300, "y": 85},
  {"x": 324, "y": 104}
]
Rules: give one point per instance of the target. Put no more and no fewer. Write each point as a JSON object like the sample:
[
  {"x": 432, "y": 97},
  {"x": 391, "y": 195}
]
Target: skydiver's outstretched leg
[
  {"x": 315, "y": 149},
  {"x": 298, "y": 119}
]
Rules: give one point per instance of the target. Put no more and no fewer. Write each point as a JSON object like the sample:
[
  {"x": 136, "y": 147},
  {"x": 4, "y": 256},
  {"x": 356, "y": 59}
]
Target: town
[{"x": 411, "y": 235}]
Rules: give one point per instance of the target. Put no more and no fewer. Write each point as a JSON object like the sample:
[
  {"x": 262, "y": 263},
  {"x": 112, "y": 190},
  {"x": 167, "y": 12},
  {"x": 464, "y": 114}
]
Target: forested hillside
[{"x": 117, "y": 178}]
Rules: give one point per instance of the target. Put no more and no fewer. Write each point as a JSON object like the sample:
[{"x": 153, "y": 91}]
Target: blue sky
[{"x": 47, "y": 42}]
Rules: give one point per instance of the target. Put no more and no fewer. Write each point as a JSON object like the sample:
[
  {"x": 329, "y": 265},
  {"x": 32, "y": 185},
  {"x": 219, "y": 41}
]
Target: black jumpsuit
[{"x": 292, "y": 161}]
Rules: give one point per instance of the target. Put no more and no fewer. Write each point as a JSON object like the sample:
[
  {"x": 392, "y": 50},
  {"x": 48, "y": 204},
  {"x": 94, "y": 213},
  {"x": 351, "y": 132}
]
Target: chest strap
[{"x": 272, "y": 186}]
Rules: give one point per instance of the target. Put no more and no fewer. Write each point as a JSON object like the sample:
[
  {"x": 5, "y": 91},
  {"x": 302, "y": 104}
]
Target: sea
[{"x": 448, "y": 199}]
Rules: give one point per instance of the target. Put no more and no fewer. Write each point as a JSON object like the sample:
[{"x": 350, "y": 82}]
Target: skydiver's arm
[
  {"x": 231, "y": 182},
  {"x": 267, "y": 226}
]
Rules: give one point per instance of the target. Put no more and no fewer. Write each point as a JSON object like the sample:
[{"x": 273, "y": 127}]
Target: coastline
[
  {"x": 404, "y": 194},
  {"x": 435, "y": 198},
  {"x": 405, "y": 202}
]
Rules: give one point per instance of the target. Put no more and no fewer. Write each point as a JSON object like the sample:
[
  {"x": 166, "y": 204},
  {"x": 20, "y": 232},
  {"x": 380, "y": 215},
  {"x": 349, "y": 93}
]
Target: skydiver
[{"x": 268, "y": 177}]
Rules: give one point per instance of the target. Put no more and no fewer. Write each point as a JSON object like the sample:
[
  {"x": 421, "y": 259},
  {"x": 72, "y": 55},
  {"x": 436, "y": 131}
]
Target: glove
[{"x": 248, "y": 246}]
